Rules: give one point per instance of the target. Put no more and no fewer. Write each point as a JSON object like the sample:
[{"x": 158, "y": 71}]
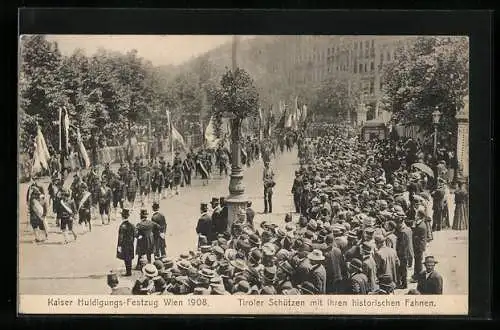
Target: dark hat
[
  {"x": 243, "y": 287},
  {"x": 430, "y": 260},
  {"x": 144, "y": 213},
  {"x": 112, "y": 279},
  {"x": 215, "y": 200},
  {"x": 207, "y": 273},
  {"x": 167, "y": 263},
  {"x": 158, "y": 264},
  {"x": 254, "y": 239},
  {"x": 356, "y": 264},
  {"x": 156, "y": 205},
  {"x": 288, "y": 217},
  {"x": 308, "y": 288},
  {"x": 210, "y": 260},
  {"x": 204, "y": 206}
]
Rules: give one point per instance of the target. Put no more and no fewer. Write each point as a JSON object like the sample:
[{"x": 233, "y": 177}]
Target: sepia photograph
[{"x": 243, "y": 165}]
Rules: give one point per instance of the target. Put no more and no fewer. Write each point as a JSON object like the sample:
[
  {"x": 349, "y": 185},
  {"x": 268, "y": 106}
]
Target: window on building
[
  {"x": 381, "y": 85},
  {"x": 388, "y": 56},
  {"x": 372, "y": 66},
  {"x": 372, "y": 87},
  {"x": 360, "y": 68},
  {"x": 365, "y": 68},
  {"x": 355, "y": 45},
  {"x": 373, "y": 43},
  {"x": 381, "y": 60}
]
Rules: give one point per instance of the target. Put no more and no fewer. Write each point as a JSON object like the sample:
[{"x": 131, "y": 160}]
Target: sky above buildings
[{"x": 159, "y": 49}]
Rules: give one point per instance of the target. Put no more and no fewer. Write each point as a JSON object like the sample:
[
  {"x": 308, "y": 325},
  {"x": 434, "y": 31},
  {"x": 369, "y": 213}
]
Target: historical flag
[
  {"x": 210, "y": 137},
  {"x": 177, "y": 138},
  {"x": 41, "y": 155},
  {"x": 82, "y": 150},
  {"x": 64, "y": 131}
]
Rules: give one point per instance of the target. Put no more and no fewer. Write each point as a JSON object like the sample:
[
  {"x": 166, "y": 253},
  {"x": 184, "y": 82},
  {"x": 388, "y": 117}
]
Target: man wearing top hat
[
  {"x": 159, "y": 233},
  {"x": 204, "y": 226},
  {"x": 429, "y": 280},
  {"x": 145, "y": 238},
  {"x": 125, "y": 246}
]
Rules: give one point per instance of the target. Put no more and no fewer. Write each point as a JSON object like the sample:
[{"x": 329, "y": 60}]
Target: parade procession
[{"x": 241, "y": 190}]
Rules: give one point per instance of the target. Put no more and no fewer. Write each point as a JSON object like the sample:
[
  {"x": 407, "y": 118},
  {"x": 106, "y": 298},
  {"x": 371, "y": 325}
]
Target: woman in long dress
[{"x": 461, "y": 216}]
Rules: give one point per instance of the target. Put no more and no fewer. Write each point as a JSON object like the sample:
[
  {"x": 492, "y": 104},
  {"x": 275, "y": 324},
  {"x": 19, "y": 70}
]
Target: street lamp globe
[{"x": 436, "y": 115}]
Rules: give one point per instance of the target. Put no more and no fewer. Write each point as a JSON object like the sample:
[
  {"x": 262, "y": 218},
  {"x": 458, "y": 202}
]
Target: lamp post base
[{"x": 236, "y": 206}]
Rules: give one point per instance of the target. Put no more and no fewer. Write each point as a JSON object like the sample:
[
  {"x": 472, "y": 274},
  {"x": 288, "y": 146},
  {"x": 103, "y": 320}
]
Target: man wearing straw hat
[{"x": 317, "y": 273}]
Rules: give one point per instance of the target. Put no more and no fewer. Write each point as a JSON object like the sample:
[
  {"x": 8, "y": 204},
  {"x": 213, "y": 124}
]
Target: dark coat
[
  {"x": 354, "y": 252},
  {"x": 317, "y": 276},
  {"x": 431, "y": 285},
  {"x": 204, "y": 226},
  {"x": 357, "y": 284},
  {"x": 404, "y": 244},
  {"x": 420, "y": 237},
  {"x": 145, "y": 239},
  {"x": 250, "y": 215},
  {"x": 335, "y": 268},
  {"x": 126, "y": 236},
  {"x": 302, "y": 272},
  {"x": 370, "y": 270},
  {"x": 159, "y": 219}
]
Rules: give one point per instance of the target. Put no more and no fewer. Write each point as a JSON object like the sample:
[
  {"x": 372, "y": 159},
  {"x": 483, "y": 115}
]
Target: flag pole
[{"x": 171, "y": 137}]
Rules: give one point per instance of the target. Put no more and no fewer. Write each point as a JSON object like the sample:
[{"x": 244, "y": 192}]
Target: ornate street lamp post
[
  {"x": 236, "y": 202},
  {"x": 436, "y": 115}
]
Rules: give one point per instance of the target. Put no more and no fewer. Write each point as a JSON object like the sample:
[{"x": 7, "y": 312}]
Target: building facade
[{"x": 288, "y": 63}]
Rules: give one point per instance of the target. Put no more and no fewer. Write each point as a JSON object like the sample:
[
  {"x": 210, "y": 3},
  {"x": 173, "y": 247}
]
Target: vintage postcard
[{"x": 220, "y": 174}]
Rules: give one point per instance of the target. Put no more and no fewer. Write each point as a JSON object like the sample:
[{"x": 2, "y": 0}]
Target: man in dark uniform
[
  {"x": 105, "y": 197},
  {"x": 125, "y": 246},
  {"x": 297, "y": 190},
  {"x": 250, "y": 214},
  {"x": 107, "y": 174},
  {"x": 224, "y": 213},
  {"x": 145, "y": 183},
  {"x": 123, "y": 172},
  {"x": 34, "y": 184},
  {"x": 118, "y": 191},
  {"x": 84, "y": 206},
  {"x": 131, "y": 187},
  {"x": 160, "y": 249},
  {"x": 187, "y": 169},
  {"x": 66, "y": 212},
  {"x": 37, "y": 212},
  {"x": 157, "y": 183},
  {"x": 217, "y": 225},
  {"x": 204, "y": 226},
  {"x": 268, "y": 181},
  {"x": 145, "y": 239},
  {"x": 177, "y": 172},
  {"x": 404, "y": 250}
]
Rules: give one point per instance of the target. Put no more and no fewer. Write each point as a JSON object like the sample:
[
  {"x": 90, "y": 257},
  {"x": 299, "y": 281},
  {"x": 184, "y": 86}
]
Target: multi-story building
[{"x": 290, "y": 62}]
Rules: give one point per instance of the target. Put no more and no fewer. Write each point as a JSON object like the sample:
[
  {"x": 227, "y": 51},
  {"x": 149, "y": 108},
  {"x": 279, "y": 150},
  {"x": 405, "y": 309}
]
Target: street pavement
[{"x": 80, "y": 267}]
